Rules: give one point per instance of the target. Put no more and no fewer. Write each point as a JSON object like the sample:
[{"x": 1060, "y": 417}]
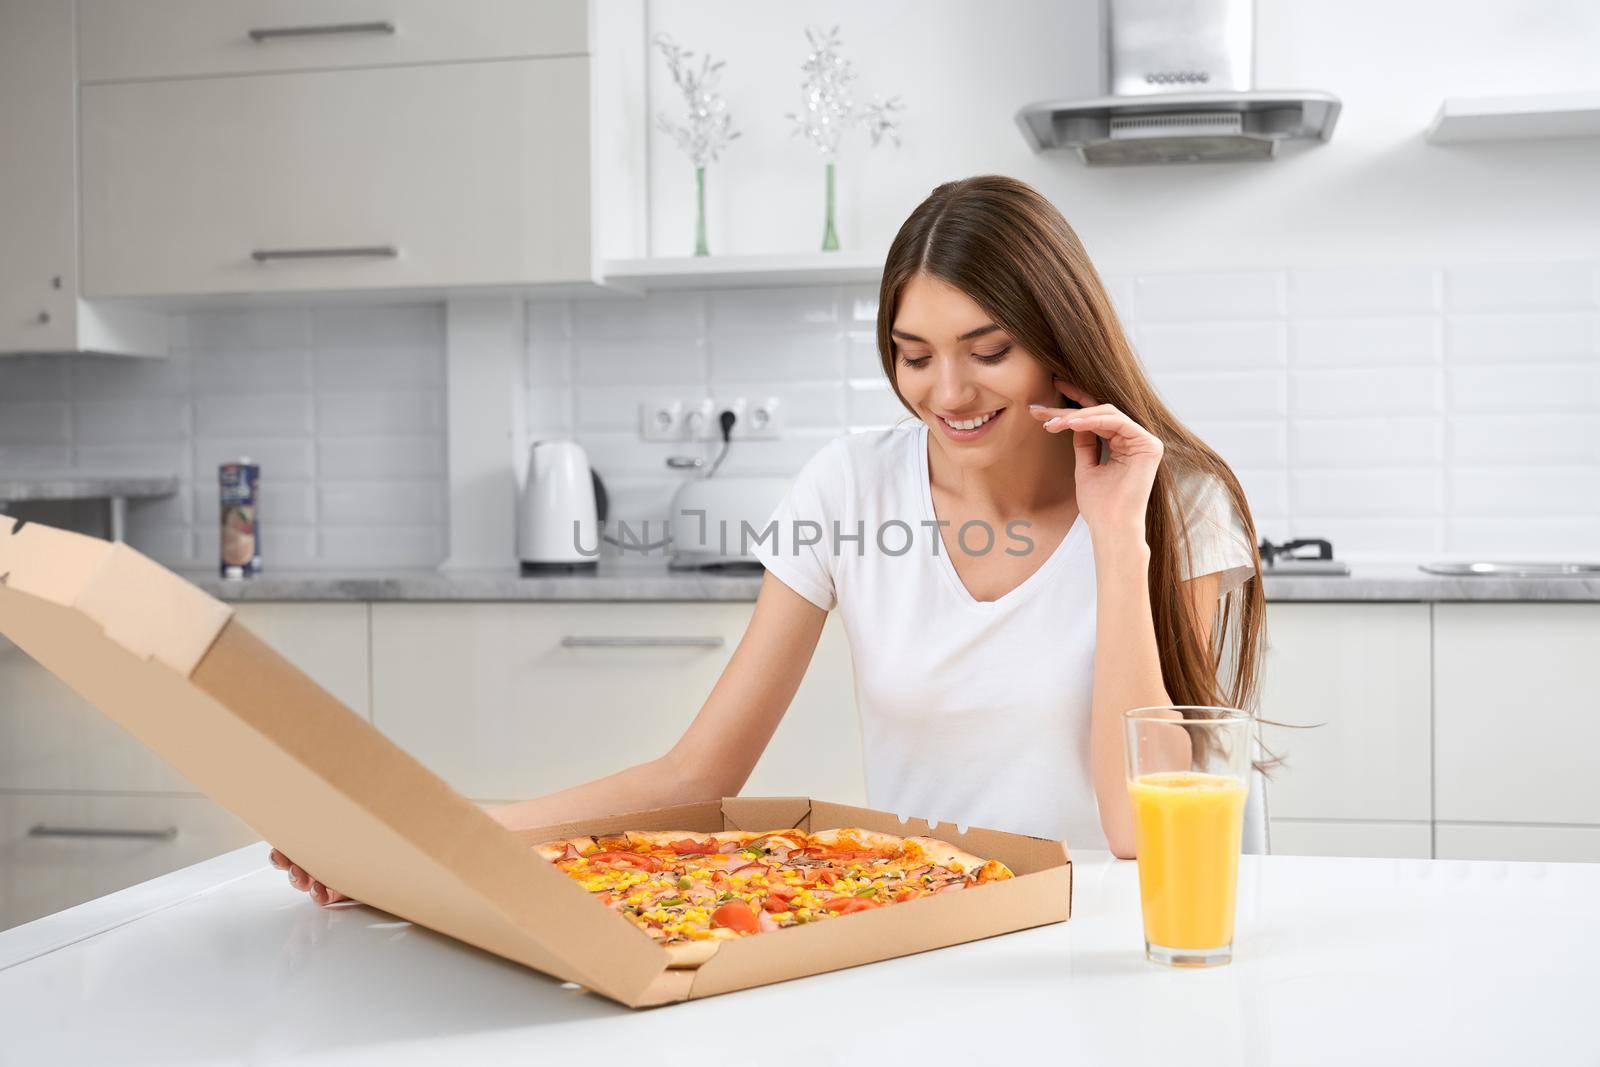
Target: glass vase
[
  {"x": 700, "y": 247},
  {"x": 830, "y": 236}
]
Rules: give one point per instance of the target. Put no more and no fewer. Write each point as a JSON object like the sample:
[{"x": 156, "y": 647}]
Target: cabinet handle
[
  {"x": 641, "y": 642},
  {"x": 270, "y": 32},
  {"x": 41, "y": 830},
  {"x": 261, "y": 255}
]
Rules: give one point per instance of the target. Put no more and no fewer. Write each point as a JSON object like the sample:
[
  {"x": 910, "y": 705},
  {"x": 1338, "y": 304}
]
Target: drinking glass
[{"x": 1188, "y": 771}]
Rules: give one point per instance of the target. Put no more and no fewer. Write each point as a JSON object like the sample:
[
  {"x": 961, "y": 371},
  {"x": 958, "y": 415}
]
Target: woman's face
[{"x": 964, "y": 376}]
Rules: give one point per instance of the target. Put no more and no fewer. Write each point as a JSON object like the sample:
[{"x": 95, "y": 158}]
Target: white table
[{"x": 1337, "y": 961}]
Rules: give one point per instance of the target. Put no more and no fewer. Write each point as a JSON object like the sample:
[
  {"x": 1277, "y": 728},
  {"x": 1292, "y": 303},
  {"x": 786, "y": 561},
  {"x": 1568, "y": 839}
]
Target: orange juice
[{"x": 1187, "y": 830}]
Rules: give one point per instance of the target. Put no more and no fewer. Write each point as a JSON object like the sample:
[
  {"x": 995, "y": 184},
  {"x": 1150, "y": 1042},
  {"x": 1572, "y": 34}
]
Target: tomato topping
[
  {"x": 828, "y": 876},
  {"x": 783, "y": 892},
  {"x": 776, "y": 904},
  {"x": 736, "y": 915},
  {"x": 904, "y": 895},
  {"x": 846, "y": 905}
]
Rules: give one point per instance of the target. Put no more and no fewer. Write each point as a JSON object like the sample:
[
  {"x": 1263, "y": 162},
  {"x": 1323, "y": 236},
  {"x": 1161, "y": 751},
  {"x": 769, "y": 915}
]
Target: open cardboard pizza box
[{"x": 172, "y": 666}]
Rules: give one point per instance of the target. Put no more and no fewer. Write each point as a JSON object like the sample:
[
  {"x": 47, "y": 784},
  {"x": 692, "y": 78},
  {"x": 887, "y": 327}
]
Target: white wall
[
  {"x": 1375, "y": 194},
  {"x": 1397, "y": 345},
  {"x": 341, "y": 406},
  {"x": 1405, "y": 413}
]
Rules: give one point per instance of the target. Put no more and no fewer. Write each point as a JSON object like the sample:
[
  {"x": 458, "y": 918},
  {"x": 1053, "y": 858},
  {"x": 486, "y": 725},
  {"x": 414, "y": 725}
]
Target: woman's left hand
[{"x": 1112, "y": 496}]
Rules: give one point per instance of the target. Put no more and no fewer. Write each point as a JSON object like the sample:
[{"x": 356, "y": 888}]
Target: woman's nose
[{"x": 953, "y": 387}]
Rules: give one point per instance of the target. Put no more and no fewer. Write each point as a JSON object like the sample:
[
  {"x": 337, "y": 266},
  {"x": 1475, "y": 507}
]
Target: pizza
[{"x": 690, "y": 890}]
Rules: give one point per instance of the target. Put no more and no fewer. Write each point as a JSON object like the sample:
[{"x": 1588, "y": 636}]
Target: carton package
[{"x": 173, "y": 667}]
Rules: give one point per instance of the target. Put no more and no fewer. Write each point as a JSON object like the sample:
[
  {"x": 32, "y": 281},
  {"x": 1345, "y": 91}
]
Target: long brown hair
[{"x": 1007, "y": 247}]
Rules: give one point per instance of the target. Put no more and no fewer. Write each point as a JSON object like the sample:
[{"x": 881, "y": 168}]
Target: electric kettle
[{"x": 562, "y": 506}]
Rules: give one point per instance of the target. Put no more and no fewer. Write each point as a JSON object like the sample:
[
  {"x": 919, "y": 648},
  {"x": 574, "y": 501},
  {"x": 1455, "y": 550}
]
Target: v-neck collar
[{"x": 1074, "y": 533}]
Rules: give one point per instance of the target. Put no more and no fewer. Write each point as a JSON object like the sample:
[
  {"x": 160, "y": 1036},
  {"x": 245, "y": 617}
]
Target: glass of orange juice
[{"x": 1188, "y": 777}]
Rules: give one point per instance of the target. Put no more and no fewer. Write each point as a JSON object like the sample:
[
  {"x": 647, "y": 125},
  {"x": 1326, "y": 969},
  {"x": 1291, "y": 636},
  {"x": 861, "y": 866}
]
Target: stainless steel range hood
[{"x": 1179, "y": 88}]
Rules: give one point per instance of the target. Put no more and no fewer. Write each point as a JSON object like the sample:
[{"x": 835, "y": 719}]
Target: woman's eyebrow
[{"x": 969, "y": 335}]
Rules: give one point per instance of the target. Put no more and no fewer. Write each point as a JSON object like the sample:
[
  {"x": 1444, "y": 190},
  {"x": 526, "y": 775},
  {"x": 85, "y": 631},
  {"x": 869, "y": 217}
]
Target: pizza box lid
[{"x": 172, "y": 666}]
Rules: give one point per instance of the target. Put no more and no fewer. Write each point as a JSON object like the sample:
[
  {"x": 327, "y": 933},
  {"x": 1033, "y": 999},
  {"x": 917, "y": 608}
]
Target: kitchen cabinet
[
  {"x": 63, "y": 849},
  {"x": 500, "y": 144},
  {"x": 508, "y": 701},
  {"x": 121, "y": 41},
  {"x": 41, "y": 309},
  {"x": 52, "y": 739},
  {"x": 1517, "y": 728},
  {"x": 1321, "y": 837},
  {"x": 86, "y": 810},
  {"x": 1486, "y": 841},
  {"x": 1359, "y": 782}
]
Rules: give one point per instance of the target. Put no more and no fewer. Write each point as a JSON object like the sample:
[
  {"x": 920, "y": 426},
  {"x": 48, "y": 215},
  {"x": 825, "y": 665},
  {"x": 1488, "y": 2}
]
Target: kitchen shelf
[
  {"x": 114, "y": 488},
  {"x": 1524, "y": 117},
  {"x": 744, "y": 272}
]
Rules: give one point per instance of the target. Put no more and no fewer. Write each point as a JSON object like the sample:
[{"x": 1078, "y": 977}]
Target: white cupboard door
[
  {"x": 1517, "y": 719},
  {"x": 53, "y": 739},
  {"x": 119, "y": 40},
  {"x": 1360, "y": 670},
  {"x": 1549, "y": 844},
  {"x": 510, "y": 701},
  {"x": 37, "y": 233},
  {"x": 380, "y": 179},
  {"x": 61, "y": 850},
  {"x": 1315, "y": 837}
]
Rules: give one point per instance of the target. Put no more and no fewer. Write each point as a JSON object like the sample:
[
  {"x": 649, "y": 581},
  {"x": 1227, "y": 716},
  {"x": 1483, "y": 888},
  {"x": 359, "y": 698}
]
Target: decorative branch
[
  {"x": 709, "y": 127},
  {"x": 828, "y": 104}
]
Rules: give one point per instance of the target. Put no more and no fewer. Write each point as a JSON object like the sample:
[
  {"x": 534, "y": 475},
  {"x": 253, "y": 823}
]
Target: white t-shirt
[{"x": 972, "y": 712}]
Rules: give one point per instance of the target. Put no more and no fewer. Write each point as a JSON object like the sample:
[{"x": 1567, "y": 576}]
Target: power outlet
[
  {"x": 755, "y": 420},
  {"x": 763, "y": 420},
  {"x": 661, "y": 420},
  {"x": 700, "y": 421}
]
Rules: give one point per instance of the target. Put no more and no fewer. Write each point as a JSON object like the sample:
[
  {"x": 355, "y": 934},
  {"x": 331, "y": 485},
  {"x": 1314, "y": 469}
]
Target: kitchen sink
[{"x": 1515, "y": 570}]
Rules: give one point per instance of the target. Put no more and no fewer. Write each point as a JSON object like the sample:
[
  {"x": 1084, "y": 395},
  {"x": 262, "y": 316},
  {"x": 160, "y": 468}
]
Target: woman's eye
[
  {"x": 992, "y": 357},
  {"x": 914, "y": 362}
]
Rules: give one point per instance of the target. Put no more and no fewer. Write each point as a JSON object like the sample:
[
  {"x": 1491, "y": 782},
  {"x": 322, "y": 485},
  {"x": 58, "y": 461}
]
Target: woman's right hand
[{"x": 301, "y": 880}]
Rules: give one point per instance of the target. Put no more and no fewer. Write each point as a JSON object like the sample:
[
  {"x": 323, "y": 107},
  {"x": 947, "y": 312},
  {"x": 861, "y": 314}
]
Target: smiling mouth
[{"x": 972, "y": 423}]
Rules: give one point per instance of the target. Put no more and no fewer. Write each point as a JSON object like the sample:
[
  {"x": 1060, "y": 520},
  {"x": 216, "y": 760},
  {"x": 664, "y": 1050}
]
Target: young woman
[{"x": 1014, "y": 569}]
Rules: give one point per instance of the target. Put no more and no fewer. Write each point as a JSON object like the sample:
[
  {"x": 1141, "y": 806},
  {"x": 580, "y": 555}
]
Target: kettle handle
[{"x": 600, "y": 501}]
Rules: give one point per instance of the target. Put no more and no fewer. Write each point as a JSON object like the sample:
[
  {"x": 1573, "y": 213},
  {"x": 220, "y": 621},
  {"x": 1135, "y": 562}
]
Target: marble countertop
[
  {"x": 648, "y": 578},
  {"x": 1337, "y": 961},
  {"x": 81, "y": 485}
]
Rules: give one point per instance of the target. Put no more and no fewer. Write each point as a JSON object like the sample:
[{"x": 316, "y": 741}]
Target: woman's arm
[
  {"x": 717, "y": 752},
  {"x": 1127, "y": 670},
  {"x": 1113, "y": 496}
]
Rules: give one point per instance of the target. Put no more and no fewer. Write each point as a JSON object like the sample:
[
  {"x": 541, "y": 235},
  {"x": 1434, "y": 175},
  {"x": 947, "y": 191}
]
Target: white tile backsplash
[
  {"x": 1524, "y": 439},
  {"x": 1364, "y": 342},
  {"x": 1219, "y": 395},
  {"x": 1521, "y": 286},
  {"x": 1363, "y": 291},
  {"x": 1398, "y": 491},
  {"x": 1244, "y": 295},
  {"x": 1400, "y": 411},
  {"x": 341, "y": 405},
  {"x": 35, "y": 423},
  {"x": 1514, "y": 339},
  {"x": 1365, "y": 391},
  {"x": 1358, "y": 403},
  {"x": 1368, "y": 443},
  {"x": 1211, "y": 345}
]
